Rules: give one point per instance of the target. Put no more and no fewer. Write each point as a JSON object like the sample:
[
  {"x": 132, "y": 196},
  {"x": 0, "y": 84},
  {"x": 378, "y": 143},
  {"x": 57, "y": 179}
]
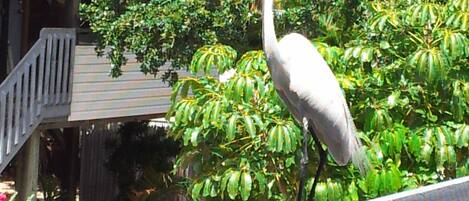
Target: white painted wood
[
  {"x": 104, "y": 77},
  {"x": 104, "y": 68},
  {"x": 41, "y": 72},
  {"x": 48, "y": 69},
  {"x": 26, "y": 77},
  {"x": 120, "y": 103},
  {"x": 117, "y": 86},
  {"x": 434, "y": 192},
  {"x": 95, "y": 60},
  {"x": 11, "y": 104},
  {"x": 53, "y": 69},
  {"x": 64, "y": 93},
  {"x": 96, "y": 95},
  {"x": 2, "y": 123},
  {"x": 122, "y": 112},
  {"x": 115, "y": 95},
  {"x": 132, "y": 67},
  {"x": 32, "y": 95},
  {"x": 58, "y": 79},
  {"x": 55, "y": 112},
  {"x": 72, "y": 68},
  {"x": 18, "y": 100},
  {"x": 36, "y": 92}
]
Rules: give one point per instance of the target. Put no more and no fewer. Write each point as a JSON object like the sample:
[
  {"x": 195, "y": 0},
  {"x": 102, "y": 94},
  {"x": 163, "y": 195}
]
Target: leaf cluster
[{"x": 236, "y": 137}]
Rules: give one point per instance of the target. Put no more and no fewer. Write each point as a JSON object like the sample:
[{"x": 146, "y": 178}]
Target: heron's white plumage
[
  {"x": 310, "y": 90},
  {"x": 315, "y": 94}
]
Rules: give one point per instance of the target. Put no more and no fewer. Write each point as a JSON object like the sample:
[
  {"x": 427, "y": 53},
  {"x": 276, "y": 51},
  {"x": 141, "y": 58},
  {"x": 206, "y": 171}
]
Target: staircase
[{"x": 37, "y": 90}]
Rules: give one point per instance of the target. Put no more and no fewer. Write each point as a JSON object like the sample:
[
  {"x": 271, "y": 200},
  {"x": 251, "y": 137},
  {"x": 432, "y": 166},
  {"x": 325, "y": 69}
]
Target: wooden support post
[
  {"x": 28, "y": 168},
  {"x": 97, "y": 183},
  {"x": 70, "y": 173}
]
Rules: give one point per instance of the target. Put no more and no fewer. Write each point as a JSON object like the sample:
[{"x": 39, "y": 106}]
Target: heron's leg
[
  {"x": 322, "y": 160},
  {"x": 304, "y": 160}
]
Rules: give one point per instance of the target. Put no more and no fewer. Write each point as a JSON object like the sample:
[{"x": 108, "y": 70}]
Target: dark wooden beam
[
  {"x": 67, "y": 124},
  {"x": 14, "y": 33},
  {"x": 4, "y": 8},
  {"x": 71, "y": 172},
  {"x": 25, "y": 40}
]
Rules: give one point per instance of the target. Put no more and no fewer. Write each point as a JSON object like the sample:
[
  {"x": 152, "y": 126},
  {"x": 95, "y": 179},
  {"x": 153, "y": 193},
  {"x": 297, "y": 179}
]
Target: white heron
[{"x": 312, "y": 94}]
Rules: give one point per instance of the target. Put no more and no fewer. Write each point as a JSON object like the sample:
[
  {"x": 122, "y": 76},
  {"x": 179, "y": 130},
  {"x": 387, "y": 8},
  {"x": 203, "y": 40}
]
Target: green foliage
[
  {"x": 50, "y": 185},
  {"x": 158, "y": 31},
  {"x": 236, "y": 136},
  {"x": 405, "y": 76},
  {"x": 13, "y": 197}
]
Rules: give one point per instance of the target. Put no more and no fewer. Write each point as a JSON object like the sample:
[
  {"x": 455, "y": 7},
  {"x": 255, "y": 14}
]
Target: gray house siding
[{"x": 96, "y": 95}]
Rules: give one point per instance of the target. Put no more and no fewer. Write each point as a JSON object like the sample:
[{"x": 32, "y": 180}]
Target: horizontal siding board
[
  {"x": 122, "y": 112},
  {"x": 104, "y": 77},
  {"x": 87, "y": 50},
  {"x": 93, "y": 59},
  {"x": 113, "y": 86},
  {"x": 128, "y": 94},
  {"x": 119, "y": 103},
  {"x": 104, "y": 68},
  {"x": 93, "y": 55}
]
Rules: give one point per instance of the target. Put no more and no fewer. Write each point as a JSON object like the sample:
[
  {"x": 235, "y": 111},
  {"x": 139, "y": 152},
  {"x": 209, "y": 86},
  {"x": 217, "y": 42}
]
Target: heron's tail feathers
[{"x": 359, "y": 157}]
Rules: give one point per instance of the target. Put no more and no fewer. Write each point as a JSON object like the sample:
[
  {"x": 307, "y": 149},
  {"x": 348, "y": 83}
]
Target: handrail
[
  {"x": 41, "y": 80},
  {"x": 455, "y": 189}
]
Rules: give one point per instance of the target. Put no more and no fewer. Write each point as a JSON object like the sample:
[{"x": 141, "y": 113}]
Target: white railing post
[
  {"x": 71, "y": 66},
  {"x": 2, "y": 123},
  {"x": 32, "y": 97},
  {"x": 53, "y": 69},
  {"x": 58, "y": 89}
]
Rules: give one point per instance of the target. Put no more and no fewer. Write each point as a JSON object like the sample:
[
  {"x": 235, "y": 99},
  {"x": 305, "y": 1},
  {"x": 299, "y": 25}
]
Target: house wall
[{"x": 96, "y": 95}]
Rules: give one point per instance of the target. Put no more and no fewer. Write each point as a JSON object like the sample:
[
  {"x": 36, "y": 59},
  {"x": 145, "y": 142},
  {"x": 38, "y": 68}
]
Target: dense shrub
[{"x": 142, "y": 158}]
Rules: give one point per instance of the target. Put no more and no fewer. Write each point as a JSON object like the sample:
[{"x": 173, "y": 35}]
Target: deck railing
[
  {"x": 38, "y": 88},
  {"x": 452, "y": 190}
]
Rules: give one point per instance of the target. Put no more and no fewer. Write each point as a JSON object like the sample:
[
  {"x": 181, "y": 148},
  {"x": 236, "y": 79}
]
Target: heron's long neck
[{"x": 269, "y": 38}]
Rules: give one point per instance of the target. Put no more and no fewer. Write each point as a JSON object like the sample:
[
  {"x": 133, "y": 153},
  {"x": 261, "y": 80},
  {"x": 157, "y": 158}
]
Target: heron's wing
[
  {"x": 319, "y": 95},
  {"x": 287, "y": 100}
]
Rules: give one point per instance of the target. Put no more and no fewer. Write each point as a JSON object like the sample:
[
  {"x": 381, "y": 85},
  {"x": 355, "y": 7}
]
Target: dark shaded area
[
  {"x": 3, "y": 38},
  {"x": 142, "y": 157},
  {"x": 43, "y": 13},
  {"x": 60, "y": 164}
]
